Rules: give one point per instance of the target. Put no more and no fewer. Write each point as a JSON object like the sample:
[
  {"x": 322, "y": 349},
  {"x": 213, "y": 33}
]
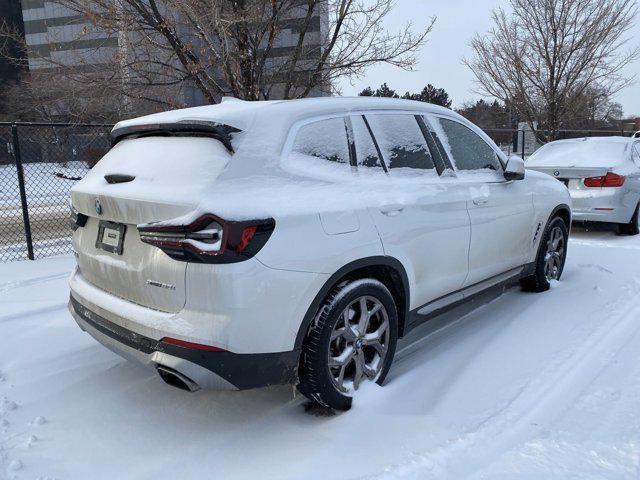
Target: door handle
[
  {"x": 391, "y": 210},
  {"x": 480, "y": 201}
]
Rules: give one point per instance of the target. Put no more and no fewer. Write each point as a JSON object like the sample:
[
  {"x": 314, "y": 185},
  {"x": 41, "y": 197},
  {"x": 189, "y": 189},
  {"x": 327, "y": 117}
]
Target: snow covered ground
[{"x": 530, "y": 386}]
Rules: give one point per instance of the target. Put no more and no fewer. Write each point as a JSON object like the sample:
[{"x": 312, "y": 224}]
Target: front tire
[
  {"x": 351, "y": 340},
  {"x": 552, "y": 254},
  {"x": 633, "y": 227}
]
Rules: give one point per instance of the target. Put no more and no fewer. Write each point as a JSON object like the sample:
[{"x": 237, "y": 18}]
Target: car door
[
  {"x": 501, "y": 212},
  {"x": 421, "y": 221}
]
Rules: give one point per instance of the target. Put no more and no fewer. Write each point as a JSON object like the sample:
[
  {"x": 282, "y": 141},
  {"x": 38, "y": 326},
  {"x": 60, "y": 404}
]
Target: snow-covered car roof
[
  {"x": 262, "y": 126},
  {"x": 241, "y": 114}
]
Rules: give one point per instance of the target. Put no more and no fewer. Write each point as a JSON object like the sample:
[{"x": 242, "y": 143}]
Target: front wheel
[
  {"x": 352, "y": 340},
  {"x": 551, "y": 257}
]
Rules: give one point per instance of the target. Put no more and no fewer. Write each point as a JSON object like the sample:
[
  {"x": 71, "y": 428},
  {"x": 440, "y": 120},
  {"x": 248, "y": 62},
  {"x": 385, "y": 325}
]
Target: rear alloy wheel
[
  {"x": 633, "y": 227},
  {"x": 359, "y": 344},
  {"x": 551, "y": 257},
  {"x": 352, "y": 341}
]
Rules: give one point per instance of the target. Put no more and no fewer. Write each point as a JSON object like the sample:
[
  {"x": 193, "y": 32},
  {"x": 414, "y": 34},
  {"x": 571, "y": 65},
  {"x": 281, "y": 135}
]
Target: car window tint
[
  {"x": 325, "y": 139},
  {"x": 401, "y": 141},
  {"x": 366, "y": 151},
  {"x": 466, "y": 149}
]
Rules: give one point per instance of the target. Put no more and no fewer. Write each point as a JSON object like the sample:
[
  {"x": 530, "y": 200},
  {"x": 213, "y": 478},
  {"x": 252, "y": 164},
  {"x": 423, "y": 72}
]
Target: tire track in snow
[
  {"x": 540, "y": 400},
  {"x": 601, "y": 244},
  {"x": 34, "y": 312},
  {"x": 5, "y": 287}
]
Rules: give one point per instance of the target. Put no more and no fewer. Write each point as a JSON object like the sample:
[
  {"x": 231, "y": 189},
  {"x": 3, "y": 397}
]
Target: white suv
[{"x": 293, "y": 242}]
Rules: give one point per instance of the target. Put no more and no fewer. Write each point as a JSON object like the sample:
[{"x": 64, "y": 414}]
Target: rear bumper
[
  {"x": 207, "y": 369},
  {"x": 615, "y": 205}
]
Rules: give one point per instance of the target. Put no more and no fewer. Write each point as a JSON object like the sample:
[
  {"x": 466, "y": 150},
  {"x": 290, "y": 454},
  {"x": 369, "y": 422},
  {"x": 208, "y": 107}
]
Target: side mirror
[{"x": 515, "y": 168}]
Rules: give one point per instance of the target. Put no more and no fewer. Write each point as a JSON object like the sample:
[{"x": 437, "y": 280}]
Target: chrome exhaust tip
[{"x": 176, "y": 379}]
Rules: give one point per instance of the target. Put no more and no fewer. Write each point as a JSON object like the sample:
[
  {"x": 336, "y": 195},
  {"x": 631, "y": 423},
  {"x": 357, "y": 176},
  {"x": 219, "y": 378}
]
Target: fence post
[
  {"x": 23, "y": 192},
  {"x": 523, "y": 140}
]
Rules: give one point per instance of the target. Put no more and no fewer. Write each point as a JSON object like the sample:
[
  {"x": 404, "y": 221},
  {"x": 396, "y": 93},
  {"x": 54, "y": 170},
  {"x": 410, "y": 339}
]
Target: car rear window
[{"x": 581, "y": 153}]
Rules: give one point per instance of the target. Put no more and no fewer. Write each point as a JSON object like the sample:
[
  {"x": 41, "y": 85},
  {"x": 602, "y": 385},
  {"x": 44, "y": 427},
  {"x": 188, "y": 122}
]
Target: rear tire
[
  {"x": 633, "y": 227},
  {"x": 352, "y": 339},
  {"x": 552, "y": 254}
]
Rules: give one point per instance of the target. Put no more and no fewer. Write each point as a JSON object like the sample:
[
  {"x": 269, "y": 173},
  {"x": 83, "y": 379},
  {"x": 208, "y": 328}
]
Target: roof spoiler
[{"x": 219, "y": 131}]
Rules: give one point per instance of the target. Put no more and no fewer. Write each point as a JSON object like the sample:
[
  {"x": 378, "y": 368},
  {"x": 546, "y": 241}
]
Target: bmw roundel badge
[
  {"x": 98, "y": 207},
  {"x": 556, "y": 173}
]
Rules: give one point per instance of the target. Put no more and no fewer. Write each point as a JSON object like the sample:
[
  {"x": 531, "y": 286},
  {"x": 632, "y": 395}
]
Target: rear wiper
[{"x": 219, "y": 131}]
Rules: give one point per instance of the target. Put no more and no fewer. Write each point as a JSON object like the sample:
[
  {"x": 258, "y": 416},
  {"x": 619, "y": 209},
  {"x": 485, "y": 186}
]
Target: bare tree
[
  {"x": 546, "y": 55},
  {"x": 48, "y": 97},
  {"x": 240, "y": 48},
  {"x": 594, "y": 109}
]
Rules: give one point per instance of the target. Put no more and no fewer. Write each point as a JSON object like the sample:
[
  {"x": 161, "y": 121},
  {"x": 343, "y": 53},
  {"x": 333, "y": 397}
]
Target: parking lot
[{"x": 530, "y": 385}]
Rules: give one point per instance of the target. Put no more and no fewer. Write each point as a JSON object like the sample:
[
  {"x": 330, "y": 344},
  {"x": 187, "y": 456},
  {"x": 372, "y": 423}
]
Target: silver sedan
[{"x": 602, "y": 175}]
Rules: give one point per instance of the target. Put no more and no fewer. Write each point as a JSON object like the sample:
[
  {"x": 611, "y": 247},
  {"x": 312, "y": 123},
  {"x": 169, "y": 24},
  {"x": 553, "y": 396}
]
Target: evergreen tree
[
  {"x": 431, "y": 94},
  {"x": 383, "y": 91}
]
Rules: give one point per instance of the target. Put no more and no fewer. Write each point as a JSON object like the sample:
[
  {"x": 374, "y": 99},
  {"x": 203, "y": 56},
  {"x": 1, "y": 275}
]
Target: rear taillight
[
  {"x": 609, "y": 180},
  {"x": 209, "y": 239}
]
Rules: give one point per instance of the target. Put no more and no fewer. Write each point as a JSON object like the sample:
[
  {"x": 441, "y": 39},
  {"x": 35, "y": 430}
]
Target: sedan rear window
[{"x": 580, "y": 153}]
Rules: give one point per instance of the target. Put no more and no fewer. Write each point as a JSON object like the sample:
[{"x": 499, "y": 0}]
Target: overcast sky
[{"x": 440, "y": 64}]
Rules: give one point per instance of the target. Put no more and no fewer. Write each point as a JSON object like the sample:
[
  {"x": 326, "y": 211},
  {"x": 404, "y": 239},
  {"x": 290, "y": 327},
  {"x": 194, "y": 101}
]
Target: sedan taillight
[
  {"x": 209, "y": 239},
  {"x": 609, "y": 180}
]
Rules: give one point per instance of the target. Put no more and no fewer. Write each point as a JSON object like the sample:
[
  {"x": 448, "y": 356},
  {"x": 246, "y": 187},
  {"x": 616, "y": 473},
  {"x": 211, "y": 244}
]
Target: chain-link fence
[{"x": 39, "y": 163}]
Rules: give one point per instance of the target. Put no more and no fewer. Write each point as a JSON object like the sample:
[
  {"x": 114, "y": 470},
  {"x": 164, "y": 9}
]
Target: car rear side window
[
  {"x": 466, "y": 149},
  {"x": 401, "y": 141},
  {"x": 324, "y": 139},
  {"x": 366, "y": 150},
  {"x": 636, "y": 154}
]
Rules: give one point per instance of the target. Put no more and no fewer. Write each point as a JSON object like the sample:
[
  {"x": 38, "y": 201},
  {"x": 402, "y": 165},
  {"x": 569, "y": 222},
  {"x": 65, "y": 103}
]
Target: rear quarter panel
[{"x": 301, "y": 242}]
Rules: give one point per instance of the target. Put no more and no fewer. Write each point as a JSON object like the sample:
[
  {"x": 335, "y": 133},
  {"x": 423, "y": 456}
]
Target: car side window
[
  {"x": 366, "y": 150},
  {"x": 401, "y": 142},
  {"x": 324, "y": 139},
  {"x": 466, "y": 149}
]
